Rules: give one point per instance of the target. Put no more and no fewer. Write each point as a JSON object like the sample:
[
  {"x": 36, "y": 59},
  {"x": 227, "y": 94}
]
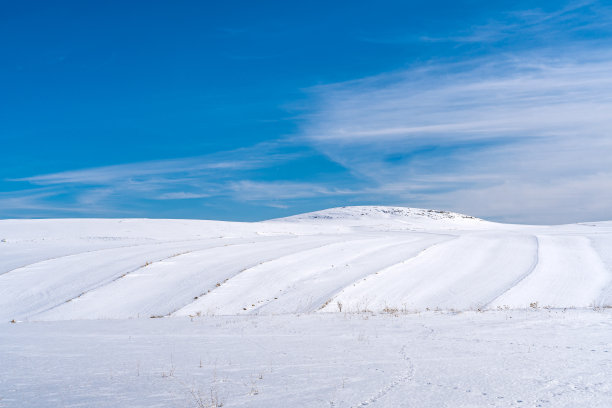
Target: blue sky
[{"x": 253, "y": 110}]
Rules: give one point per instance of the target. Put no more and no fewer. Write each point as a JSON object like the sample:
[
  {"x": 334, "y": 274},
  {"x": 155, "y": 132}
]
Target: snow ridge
[{"x": 372, "y": 212}]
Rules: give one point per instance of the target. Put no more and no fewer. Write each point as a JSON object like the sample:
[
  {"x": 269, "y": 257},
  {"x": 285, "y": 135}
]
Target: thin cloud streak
[
  {"x": 221, "y": 175},
  {"x": 535, "y": 24},
  {"x": 259, "y": 156},
  {"x": 249, "y": 190}
]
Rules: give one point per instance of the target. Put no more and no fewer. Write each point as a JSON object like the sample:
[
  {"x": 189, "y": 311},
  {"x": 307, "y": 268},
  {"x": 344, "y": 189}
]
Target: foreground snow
[
  {"x": 354, "y": 259},
  {"x": 530, "y": 358}
]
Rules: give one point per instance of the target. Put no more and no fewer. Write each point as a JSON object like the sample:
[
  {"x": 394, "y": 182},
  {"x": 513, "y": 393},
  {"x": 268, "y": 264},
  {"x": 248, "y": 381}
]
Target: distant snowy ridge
[
  {"x": 360, "y": 212},
  {"x": 347, "y": 259}
]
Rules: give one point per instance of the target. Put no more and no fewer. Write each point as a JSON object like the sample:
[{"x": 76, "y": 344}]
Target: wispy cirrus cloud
[
  {"x": 222, "y": 174},
  {"x": 521, "y": 25},
  {"x": 129, "y": 189},
  {"x": 491, "y": 124},
  {"x": 41, "y": 202},
  {"x": 181, "y": 195},
  {"x": 278, "y": 190},
  {"x": 158, "y": 171}
]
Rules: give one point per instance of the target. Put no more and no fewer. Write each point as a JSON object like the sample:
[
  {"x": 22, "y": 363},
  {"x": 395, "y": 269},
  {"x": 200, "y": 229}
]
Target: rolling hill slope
[{"x": 350, "y": 258}]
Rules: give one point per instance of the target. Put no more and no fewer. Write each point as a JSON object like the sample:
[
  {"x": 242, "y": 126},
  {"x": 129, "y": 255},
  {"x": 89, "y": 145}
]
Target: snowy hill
[
  {"x": 388, "y": 218},
  {"x": 378, "y": 212},
  {"x": 350, "y": 258}
]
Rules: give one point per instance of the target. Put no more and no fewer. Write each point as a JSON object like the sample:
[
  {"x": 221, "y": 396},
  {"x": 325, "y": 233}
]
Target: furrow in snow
[
  {"x": 602, "y": 244},
  {"x": 518, "y": 280},
  {"x": 333, "y": 304},
  {"x": 310, "y": 292},
  {"x": 40, "y": 286},
  {"x": 569, "y": 274},
  {"x": 458, "y": 274},
  {"x": 104, "y": 284},
  {"x": 300, "y": 282},
  {"x": 33, "y": 260},
  {"x": 166, "y": 286}
]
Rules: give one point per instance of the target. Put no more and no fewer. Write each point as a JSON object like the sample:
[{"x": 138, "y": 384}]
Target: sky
[{"x": 254, "y": 110}]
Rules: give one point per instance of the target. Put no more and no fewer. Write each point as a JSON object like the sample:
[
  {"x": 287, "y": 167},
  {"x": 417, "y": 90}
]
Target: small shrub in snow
[
  {"x": 390, "y": 310},
  {"x": 206, "y": 402}
]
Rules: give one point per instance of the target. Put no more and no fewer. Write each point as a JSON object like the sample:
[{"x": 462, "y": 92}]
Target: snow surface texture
[
  {"x": 526, "y": 358},
  {"x": 351, "y": 259}
]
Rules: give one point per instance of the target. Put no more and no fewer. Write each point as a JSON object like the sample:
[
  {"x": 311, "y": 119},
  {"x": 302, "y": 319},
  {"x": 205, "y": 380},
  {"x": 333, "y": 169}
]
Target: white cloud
[
  {"x": 160, "y": 171},
  {"x": 181, "y": 195},
  {"x": 119, "y": 187},
  {"x": 535, "y": 24},
  {"x": 527, "y": 130},
  {"x": 249, "y": 190},
  {"x": 223, "y": 175}
]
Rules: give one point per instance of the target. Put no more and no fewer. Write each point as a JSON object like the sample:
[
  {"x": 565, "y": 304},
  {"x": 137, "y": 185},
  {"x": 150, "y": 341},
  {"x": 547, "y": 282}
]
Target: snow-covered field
[
  {"x": 432, "y": 359},
  {"x": 379, "y": 305}
]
